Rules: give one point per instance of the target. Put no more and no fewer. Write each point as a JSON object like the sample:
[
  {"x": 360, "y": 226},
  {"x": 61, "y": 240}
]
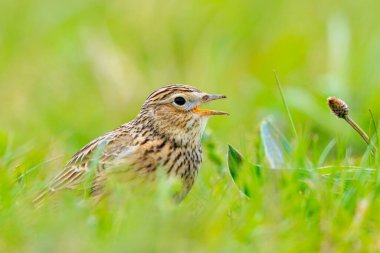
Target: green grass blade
[{"x": 286, "y": 105}]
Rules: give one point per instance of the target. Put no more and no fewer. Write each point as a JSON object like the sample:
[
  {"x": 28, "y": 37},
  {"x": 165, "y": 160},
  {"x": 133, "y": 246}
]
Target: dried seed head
[{"x": 338, "y": 107}]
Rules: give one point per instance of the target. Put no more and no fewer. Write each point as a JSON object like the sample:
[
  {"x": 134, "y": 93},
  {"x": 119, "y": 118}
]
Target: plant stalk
[{"x": 360, "y": 131}]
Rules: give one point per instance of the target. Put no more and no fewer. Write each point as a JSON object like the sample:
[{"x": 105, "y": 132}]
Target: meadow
[{"x": 73, "y": 70}]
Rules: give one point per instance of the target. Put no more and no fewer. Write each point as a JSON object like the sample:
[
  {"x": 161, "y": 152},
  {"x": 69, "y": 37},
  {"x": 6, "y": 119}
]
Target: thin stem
[
  {"x": 360, "y": 131},
  {"x": 357, "y": 129},
  {"x": 286, "y": 105}
]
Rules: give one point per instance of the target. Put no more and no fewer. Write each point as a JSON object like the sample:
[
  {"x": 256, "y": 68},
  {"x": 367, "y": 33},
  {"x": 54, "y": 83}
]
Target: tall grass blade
[{"x": 286, "y": 105}]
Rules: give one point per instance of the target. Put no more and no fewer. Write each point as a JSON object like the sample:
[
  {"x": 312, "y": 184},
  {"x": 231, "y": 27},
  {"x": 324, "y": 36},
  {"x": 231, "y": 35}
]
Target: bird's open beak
[{"x": 205, "y": 99}]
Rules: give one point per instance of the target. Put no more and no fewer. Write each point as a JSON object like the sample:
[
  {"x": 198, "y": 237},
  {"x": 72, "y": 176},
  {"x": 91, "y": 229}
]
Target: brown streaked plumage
[{"x": 166, "y": 133}]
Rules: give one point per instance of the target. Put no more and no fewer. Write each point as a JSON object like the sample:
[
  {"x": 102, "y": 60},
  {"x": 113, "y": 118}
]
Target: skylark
[{"x": 165, "y": 134}]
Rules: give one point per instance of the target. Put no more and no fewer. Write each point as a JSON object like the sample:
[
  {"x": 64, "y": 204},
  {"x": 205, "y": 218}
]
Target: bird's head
[{"x": 176, "y": 110}]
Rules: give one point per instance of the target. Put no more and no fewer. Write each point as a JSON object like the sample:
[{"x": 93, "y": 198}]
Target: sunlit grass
[{"x": 71, "y": 71}]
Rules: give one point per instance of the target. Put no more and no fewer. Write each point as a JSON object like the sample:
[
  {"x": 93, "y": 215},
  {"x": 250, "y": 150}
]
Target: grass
[{"x": 74, "y": 70}]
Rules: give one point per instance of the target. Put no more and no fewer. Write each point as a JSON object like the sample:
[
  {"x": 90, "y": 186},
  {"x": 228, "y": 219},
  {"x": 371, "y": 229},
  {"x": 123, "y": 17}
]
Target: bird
[{"x": 166, "y": 134}]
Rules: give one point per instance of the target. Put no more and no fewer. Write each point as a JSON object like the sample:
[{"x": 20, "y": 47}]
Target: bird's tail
[{"x": 42, "y": 196}]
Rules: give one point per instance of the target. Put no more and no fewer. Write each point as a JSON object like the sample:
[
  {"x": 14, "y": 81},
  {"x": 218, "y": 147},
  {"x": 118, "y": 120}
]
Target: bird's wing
[{"x": 112, "y": 148}]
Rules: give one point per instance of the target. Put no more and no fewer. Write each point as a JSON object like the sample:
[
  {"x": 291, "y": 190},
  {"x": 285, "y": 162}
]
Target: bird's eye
[{"x": 179, "y": 101}]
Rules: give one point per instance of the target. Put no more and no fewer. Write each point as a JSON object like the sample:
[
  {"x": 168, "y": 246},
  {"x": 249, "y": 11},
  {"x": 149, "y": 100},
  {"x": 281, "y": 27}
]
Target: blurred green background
[
  {"x": 70, "y": 71},
  {"x": 73, "y": 70}
]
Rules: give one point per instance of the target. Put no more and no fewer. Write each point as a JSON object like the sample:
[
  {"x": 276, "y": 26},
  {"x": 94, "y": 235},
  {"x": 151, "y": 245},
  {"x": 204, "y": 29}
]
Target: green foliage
[
  {"x": 73, "y": 70},
  {"x": 271, "y": 142},
  {"x": 235, "y": 161},
  {"x": 243, "y": 173}
]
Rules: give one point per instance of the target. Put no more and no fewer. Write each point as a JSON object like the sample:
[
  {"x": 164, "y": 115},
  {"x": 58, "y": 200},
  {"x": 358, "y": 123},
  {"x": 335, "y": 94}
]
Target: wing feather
[{"x": 103, "y": 152}]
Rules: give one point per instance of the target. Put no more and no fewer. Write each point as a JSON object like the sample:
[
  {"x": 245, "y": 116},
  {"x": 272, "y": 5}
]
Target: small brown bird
[{"x": 165, "y": 134}]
